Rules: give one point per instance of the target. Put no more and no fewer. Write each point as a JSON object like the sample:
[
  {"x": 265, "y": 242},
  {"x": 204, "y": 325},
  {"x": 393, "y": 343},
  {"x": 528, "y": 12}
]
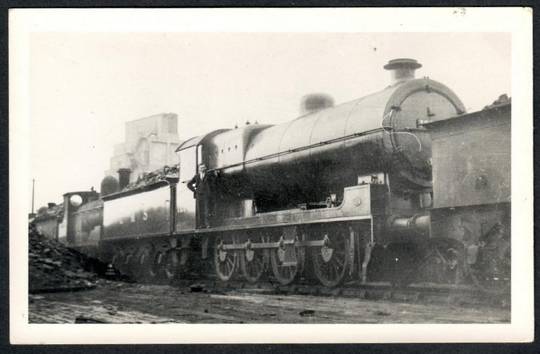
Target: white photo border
[{"x": 514, "y": 20}]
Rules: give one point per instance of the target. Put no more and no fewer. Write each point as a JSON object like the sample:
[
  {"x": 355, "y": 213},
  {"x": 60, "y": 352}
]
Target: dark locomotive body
[
  {"x": 47, "y": 220},
  {"x": 343, "y": 191},
  {"x": 472, "y": 188}
]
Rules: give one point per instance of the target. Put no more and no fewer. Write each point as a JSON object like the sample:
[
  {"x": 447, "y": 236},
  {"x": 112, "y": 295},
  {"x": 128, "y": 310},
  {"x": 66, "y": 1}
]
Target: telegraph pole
[{"x": 33, "y": 182}]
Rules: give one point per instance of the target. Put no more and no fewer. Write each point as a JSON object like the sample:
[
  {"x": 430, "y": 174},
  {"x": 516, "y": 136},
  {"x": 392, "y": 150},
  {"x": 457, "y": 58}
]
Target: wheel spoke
[
  {"x": 229, "y": 262},
  {"x": 260, "y": 267},
  {"x": 332, "y": 272},
  {"x": 340, "y": 262}
]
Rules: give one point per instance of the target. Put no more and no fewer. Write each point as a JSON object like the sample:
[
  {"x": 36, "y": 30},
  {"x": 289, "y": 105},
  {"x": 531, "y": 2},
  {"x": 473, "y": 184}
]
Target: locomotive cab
[{"x": 192, "y": 155}]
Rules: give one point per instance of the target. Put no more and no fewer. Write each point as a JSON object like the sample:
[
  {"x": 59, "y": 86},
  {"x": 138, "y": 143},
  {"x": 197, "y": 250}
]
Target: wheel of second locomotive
[
  {"x": 130, "y": 261},
  {"x": 286, "y": 273},
  {"x": 443, "y": 261},
  {"x": 331, "y": 261},
  {"x": 225, "y": 260},
  {"x": 253, "y": 261},
  {"x": 117, "y": 259},
  {"x": 145, "y": 261},
  {"x": 491, "y": 272},
  {"x": 172, "y": 263},
  {"x": 158, "y": 263},
  {"x": 122, "y": 260},
  {"x": 175, "y": 262}
]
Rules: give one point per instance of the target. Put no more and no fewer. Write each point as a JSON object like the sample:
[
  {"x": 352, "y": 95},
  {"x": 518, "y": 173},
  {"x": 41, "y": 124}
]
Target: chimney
[
  {"x": 315, "y": 102},
  {"x": 402, "y": 69},
  {"x": 123, "y": 177}
]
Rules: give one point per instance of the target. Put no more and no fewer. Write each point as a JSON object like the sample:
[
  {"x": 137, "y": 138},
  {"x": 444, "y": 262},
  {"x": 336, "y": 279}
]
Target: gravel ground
[{"x": 119, "y": 302}]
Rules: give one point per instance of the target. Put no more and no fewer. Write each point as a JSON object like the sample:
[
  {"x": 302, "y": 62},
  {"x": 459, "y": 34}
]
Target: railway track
[
  {"x": 424, "y": 293},
  {"x": 429, "y": 293}
]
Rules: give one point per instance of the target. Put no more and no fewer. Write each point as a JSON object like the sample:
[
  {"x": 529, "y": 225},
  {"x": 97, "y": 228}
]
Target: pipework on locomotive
[{"x": 401, "y": 186}]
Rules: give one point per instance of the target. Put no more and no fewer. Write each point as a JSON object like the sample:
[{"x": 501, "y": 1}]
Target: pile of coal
[
  {"x": 54, "y": 267},
  {"x": 155, "y": 176}
]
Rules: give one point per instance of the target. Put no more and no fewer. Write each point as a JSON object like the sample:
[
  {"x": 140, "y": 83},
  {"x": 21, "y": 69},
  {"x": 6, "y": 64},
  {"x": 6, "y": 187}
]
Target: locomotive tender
[{"x": 341, "y": 192}]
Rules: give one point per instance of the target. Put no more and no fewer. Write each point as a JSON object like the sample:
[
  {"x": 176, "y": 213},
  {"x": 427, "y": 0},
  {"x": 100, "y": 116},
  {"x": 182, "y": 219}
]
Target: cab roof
[{"x": 198, "y": 139}]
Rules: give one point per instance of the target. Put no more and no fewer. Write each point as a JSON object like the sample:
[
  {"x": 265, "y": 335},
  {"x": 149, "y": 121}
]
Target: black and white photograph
[{"x": 233, "y": 175}]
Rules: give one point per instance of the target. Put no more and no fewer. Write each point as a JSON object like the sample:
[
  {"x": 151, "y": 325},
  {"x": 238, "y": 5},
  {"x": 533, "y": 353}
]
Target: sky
[{"x": 85, "y": 86}]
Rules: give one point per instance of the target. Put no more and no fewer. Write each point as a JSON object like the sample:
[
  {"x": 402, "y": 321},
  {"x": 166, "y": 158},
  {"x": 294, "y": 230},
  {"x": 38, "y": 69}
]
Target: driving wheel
[
  {"x": 285, "y": 273},
  {"x": 254, "y": 261},
  {"x": 331, "y": 261},
  {"x": 225, "y": 260}
]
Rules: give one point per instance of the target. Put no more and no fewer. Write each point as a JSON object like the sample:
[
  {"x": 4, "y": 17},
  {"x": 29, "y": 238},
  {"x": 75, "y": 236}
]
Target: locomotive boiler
[{"x": 331, "y": 147}]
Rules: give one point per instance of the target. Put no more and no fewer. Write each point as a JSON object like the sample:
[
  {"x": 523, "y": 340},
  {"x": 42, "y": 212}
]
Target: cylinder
[{"x": 417, "y": 222}]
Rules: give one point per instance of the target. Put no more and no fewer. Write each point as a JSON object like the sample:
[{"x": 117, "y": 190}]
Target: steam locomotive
[{"x": 401, "y": 185}]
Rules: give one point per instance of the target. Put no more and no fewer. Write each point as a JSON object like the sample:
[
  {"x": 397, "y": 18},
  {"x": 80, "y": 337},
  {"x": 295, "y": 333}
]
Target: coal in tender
[{"x": 54, "y": 267}]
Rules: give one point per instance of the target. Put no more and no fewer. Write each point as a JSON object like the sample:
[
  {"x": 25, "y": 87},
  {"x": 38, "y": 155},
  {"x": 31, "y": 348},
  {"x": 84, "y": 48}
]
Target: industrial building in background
[{"x": 149, "y": 144}]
